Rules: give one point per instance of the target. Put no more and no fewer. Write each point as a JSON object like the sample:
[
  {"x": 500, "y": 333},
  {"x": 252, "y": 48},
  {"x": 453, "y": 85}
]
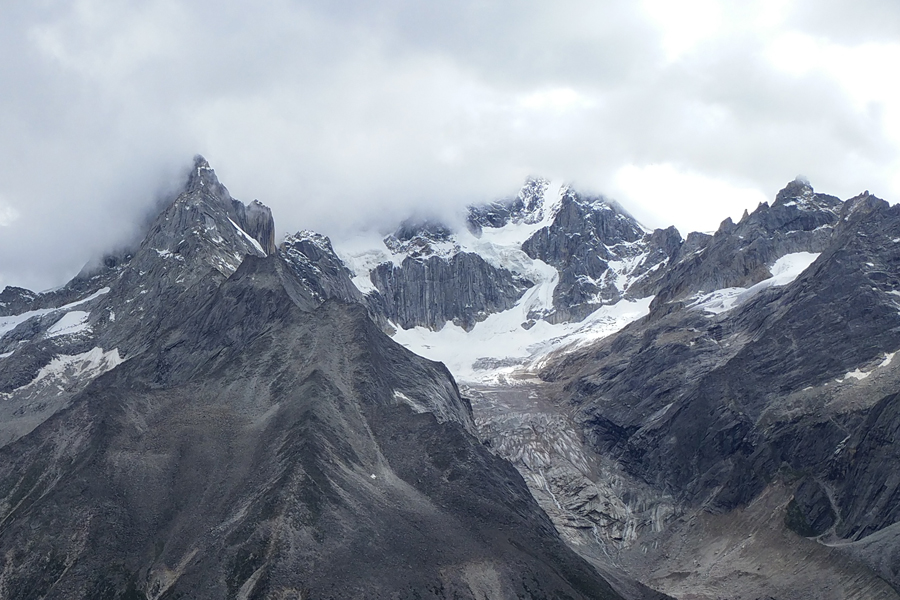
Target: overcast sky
[{"x": 348, "y": 114}]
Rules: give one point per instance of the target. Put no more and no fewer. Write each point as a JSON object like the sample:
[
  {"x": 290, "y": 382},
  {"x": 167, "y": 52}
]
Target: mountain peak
[
  {"x": 798, "y": 188},
  {"x": 203, "y": 177},
  {"x": 200, "y": 162}
]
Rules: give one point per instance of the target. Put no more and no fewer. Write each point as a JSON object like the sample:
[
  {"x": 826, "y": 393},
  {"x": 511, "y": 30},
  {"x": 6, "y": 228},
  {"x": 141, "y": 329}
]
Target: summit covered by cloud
[{"x": 340, "y": 115}]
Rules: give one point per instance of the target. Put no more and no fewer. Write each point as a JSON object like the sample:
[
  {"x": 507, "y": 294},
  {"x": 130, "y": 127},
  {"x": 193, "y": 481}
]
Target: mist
[{"x": 348, "y": 115}]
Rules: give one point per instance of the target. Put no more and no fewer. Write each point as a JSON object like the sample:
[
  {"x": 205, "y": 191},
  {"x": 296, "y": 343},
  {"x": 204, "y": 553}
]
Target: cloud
[
  {"x": 660, "y": 191},
  {"x": 348, "y": 114}
]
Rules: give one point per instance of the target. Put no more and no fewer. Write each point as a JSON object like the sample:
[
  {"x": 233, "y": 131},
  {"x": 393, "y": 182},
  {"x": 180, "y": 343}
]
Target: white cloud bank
[{"x": 338, "y": 114}]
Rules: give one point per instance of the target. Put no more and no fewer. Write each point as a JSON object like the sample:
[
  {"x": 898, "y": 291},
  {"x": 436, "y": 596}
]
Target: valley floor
[{"x": 610, "y": 518}]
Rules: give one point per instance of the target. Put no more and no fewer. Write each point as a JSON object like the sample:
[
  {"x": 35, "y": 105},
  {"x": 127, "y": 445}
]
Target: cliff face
[
  {"x": 759, "y": 386},
  {"x": 463, "y": 290},
  {"x": 215, "y": 419}
]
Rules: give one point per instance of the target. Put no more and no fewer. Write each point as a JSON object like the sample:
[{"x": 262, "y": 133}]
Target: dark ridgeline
[{"x": 263, "y": 437}]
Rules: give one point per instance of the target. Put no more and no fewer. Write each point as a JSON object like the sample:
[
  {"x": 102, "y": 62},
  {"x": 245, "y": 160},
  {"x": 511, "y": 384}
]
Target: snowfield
[
  {"x": 510, "y": 344},
  {"x": 784, "y": 270},
  {"x": 500, "y": 347}
]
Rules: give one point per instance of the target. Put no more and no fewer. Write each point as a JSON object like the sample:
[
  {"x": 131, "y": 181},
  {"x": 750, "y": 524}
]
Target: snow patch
[
  {"x": 718, "y": 301},
  {"x": 857, "y": 374},
  {"x": 787, "y": 268},
  {"x": 784, "y": 270},
  {"x": 92, "y": 363},
  {"x": 256, "y": 245},
  {"x": 10, "y": 322},
  {"x": 70, "y": 323},
  {"x": 416, "y": 406}
]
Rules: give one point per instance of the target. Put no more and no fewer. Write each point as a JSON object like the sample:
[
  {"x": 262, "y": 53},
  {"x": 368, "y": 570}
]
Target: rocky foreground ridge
[
  {"x": 712, "y": 416},
  {"x": 742, "y": 418},
  {"x": 210, "y": 416}
]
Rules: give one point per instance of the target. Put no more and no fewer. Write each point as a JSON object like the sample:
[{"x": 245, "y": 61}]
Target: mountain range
[{"x": 547, "y": 400}]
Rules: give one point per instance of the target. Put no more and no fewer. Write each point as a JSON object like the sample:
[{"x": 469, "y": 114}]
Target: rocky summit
[
  {"x": 212, "y": 416},
  {"x": 545, "y": 400}
]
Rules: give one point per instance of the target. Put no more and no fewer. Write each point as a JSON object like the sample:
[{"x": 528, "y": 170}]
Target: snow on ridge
[
  {"x": 784, "y": 271},
  {"x": 256, "y": 245},
  {"x": 93, "y": 296},
  {"x": 72, "y": 322},
  {"x": 308, "y": 235},
  {"x": 552, "y": 201}
]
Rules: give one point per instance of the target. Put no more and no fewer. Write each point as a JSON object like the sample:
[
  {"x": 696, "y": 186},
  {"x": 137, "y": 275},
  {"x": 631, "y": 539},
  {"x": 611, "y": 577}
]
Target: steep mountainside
[
  {"x": 212, "y": 415},
  {"x": 718, "y": 399},
  {"x": 219, "y": 418},
  {"x": 757, "y": 374}
]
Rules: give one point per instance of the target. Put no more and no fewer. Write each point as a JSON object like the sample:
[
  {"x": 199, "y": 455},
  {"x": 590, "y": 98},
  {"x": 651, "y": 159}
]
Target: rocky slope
[
  {"x": 714, "y": 416},
  {"x": 214, "y": 417},
  {"x": 717, "y": 397},
  {"x": 757, "y": 374}
]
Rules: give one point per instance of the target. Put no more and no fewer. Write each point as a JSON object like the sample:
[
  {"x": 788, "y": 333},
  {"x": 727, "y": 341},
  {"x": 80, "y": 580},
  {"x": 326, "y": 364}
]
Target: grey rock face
[
  {"x": 261, "y": 449},
  {"x": 15, "y": 300},
  {"x": 868, "y": 498},
  {"x": 810, "y": 512},
  {"x": 463, "y": 289},
  {"x": 314, "y": 262},
  {"x": 718, "y": 408},
  {"x": 585, "y": 236},
  {"x": 738, "y": 255}
]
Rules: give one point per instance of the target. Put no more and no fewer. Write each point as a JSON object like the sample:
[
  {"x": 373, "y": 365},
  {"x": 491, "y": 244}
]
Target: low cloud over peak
[{"x": 347, "y": 114}]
